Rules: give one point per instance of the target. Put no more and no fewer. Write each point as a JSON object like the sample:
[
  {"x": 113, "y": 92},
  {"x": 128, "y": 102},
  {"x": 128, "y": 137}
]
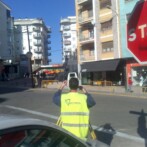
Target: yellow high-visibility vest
[{"x": 75, "y": 114}]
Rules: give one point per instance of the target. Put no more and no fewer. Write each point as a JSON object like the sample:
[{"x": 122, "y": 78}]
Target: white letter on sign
[
  {"x": 132, "y": 35},
  {"x": 142, "y": 30}
]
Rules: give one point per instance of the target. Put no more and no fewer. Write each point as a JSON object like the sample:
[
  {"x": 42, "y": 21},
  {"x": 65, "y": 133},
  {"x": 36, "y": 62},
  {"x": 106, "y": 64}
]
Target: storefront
[
  {"x": 137, "y": 72},
  {"x": 108, "y": 72}
]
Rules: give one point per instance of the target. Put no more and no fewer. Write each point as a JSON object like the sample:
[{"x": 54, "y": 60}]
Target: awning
[{"x": 104, "y": 65}]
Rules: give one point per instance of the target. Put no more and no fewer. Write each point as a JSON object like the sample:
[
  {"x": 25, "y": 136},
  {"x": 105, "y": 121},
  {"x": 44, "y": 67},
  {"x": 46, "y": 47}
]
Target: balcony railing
[
  {"x": 38, "y": 57},
  {"x": 82, "y": 1},
  {"x": 38, "y": 50},
  {"x": 66, "y": 35},
  {"x": 48, "y": 36},
  {"x": 86, "y": 37},
  {"x": 86, "y": 18},
  {"x": 37, "y": 29},
  {"x": 49, "y": 54},
  {"x": 37, "y": 36},
  {"x": 67, "y": 42},
  {"x": 49, "y": 48},
  {"x": 48, "y": 30},
  {"x": 37, "y": 43},
  {"x": 66, "y": 27}
]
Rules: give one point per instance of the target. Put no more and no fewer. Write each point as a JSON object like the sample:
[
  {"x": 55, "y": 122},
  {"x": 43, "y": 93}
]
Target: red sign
[{"x": 137, "y": 32}]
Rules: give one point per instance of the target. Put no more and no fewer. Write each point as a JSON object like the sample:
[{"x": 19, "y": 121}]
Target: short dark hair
[{"x": 73, "y": 83}]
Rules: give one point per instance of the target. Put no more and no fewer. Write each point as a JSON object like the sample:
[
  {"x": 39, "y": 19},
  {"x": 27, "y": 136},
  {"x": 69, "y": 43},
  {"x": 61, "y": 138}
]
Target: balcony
[
  {"x": 67, "y": 42},
  {"x": 66, "y": 28},
  {"x": 106, "y": 25},
  {"x": 49, "y": 30},
  {"x": 66, "y": 35},
  {"x": 67, "y": 49},
  {"x": 86, "y": 18},
  {"x": 49, "y": 60},
  {"x": 38, "y": 50},
  {"x": 38, "y": 57},
  {"x": 49, "y": 54},
  {"x": 65, "y": 20},
  {"x": 48, "y": 48},
  {"x": 37, "y": 36},
  {"x": 36, "y": 29},
  {"x": 37, "y": 43},
  {"x": 48, "y": 42},
  {"x": 86, "y": 38},
  {"x": 48, "y": 36},
  {"x": 83, "y": 1}
]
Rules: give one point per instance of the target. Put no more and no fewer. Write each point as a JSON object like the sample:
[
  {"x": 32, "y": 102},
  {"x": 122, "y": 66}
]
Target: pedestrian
[
  {"x": 74, "y": 108},
  {"x": 130, "y": 82}
]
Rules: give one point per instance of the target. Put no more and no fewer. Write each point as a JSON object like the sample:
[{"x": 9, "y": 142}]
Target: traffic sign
[{"x": 137, "y": 32}]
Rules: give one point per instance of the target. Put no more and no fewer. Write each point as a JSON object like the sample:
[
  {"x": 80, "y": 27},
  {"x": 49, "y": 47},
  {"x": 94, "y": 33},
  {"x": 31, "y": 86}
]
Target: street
[{"x": 112, "y": 111}]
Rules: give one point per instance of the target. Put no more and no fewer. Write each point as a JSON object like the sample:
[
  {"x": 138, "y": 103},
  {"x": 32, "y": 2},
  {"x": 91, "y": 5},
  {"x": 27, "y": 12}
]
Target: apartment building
[
  {"x": 6, "y": 33},
  {"x": 69, "y": 43},
  {"x": 32, "y": 35},
  {"x": 7, "y": 53},
  {"x": 99, "y": 50}
]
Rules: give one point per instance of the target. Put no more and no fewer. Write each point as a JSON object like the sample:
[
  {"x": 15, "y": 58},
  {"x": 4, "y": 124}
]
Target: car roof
[{"x": 8, "y": 121}]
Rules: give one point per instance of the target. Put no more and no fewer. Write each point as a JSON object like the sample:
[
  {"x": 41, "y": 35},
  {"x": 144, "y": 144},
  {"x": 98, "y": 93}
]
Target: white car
[{"x": 27, "y": 132}]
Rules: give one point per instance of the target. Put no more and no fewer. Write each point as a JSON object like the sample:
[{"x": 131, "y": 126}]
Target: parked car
[{"x": 27, "y": 132}]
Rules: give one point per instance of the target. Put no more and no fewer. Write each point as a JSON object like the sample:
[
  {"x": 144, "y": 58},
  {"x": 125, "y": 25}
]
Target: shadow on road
[
  {"x": 4, "y": 90},
  {"x": 105, "y": 133},
  {"x": 16, "y": 85},
  {"x": 142, "y": 128},
  {"x": 3, "y": 100}
]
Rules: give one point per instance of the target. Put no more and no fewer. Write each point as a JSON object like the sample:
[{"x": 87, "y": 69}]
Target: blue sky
[{"x": 51, "y": 11}]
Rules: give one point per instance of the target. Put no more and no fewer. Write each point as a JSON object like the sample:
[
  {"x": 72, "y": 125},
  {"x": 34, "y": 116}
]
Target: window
[
  {"x": 8, "y": 14},
  {"x": 107, "y": 46},
  {"x": 39, "y": 137},
  {"x": 104, "y": 3},
  {"x": 106, "y": 25}
]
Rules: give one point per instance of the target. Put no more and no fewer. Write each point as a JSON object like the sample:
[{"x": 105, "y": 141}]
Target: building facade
[
  {"x": 8, "y": 66},
  {"x": 6, "y": 33},
  {"x": 32, "y": 35},
  {"x": 69, "y": 43},
  {"x": 99, "y": 47}
]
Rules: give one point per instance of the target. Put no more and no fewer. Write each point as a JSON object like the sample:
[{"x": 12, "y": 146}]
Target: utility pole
[{"x": 29, "y": 55}]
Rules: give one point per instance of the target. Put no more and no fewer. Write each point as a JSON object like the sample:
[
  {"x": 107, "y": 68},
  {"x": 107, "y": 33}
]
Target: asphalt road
[{"x": 111, "y": 112}]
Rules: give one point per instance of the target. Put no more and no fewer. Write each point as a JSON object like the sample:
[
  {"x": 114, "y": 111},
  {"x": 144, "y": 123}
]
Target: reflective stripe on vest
[
  {"x": 75, "y": 125},
  {"x": 75, "y": 113}
]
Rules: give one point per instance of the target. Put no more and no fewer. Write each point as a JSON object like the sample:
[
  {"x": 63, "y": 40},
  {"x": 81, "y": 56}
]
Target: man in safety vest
[{"x": 74, "y": 108}]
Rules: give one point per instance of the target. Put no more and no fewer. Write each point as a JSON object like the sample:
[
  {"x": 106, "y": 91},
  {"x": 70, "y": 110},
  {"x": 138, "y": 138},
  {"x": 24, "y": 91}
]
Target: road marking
[
  {"x": 119, "y": 134},
  {"x": 32, "y": 112}
]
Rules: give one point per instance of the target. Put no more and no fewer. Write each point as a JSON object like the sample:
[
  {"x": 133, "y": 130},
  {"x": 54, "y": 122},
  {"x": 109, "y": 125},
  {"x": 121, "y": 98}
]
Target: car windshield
[{"x": 78, "y": 66}]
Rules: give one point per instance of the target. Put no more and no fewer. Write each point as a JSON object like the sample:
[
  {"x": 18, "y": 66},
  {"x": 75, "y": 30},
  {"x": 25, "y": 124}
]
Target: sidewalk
[{"x": 26, "y": 83}]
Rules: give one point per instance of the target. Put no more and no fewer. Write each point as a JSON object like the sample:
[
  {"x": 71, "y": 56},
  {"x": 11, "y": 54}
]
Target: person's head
[{"x": 73, "y": 83}]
